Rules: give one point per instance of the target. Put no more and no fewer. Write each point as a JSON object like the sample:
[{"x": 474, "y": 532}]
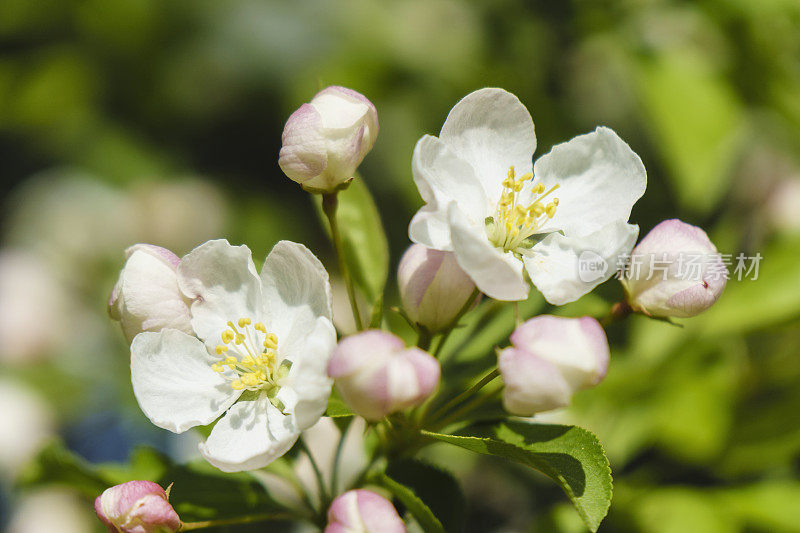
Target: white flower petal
[
  {"x": 491, "y": 130},
  {"x": 599, "y": 178},
  {"x": 173, "y": 381},
  {"x": 244, "y": 439},
  {"x": 225, "y": 285},
  {"x": 296, "y": 292},
  {"x": 305, "y": 391},
  {"x": 558, "y": 264},
  {"x": 442, "y": 177},
  {"x": 429, "y": 227},
  {"x": 496, "y": 274}
]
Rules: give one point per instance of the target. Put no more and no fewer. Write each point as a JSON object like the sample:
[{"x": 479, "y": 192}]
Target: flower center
[
  {"x": 251, "y": 352},
  {"x": 520, "y": 212}
]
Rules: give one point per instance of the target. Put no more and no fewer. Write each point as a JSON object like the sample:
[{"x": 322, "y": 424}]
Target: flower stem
[
  {"x": 424, "y": 339},
  {"x": 249, "y": 519},
  {"x": 330, "y": 202},
  {"x": 619, "y": 311},
  {"x": 485, "y": 380},
  {"x": 336, "y": 460},
  {"x": 466, "y": 408},
  {"x": 464, "y": 308},
  {"x": 323, "y": 491}
]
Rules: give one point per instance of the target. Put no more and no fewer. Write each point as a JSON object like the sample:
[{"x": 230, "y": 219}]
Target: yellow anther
[
  {"x": 526, "y": 176},
  {"x": 238, "y": 385},
  {"x": 538, "y": 188},
  {"x": 555, "y": 202},
  {"x": 244, "y": 322},
  {"x": 511, "y": 172},
  {"x": 217, "y": 368},
  {"x": 551, "y": 210},
  {"x": 259, "y": 326},
  {"x": 251, "y": 379},
  {"x": 220, "y": 349},
  {"x": 239, "y": 338},
  {"x": 230, "y": 361},
  {"x": 271, "y": 341},
  {"x": 508, "y": 182},
  {"x": 227, "y": 336},
  {"x": 248, "y": 360}
]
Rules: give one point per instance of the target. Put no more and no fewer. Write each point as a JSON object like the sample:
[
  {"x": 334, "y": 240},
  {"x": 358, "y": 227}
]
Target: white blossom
[
  {"x": 260, "y": 360},
  {"x": 500, "y": 214}
]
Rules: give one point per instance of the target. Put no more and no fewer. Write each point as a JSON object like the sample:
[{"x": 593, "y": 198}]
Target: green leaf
[
  {"x": 436, "y": 487},
  {"x": 57, "y": 465},
  {"x": 427, "y": 520},
  {"x": 143, "y": 463},
  {"x": 337, "y": 408},
  {"x": 569, "y": 455},
  {"x": 363, "y": 239},
  {"x": 199, "y": 491}
]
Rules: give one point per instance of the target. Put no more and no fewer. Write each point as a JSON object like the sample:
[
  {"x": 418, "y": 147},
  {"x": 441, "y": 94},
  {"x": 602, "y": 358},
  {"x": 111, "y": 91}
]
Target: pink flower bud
[
  {"x": 325, "y": 140},
  {"x": 377, "y": 375},
  {"x": 433, "y": 287},
  {"x": 363, "y": 511},
  {"x": 550, "y": 359},
  {"x": 146, "y": 296},
  {"x": 674, "y": 271},
  {"x": 137, "y": 507}
]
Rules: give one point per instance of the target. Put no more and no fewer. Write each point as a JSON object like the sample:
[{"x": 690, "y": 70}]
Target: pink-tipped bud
[
  {"x": 325, "y": 140},
  {"x": 146, "y": 296},
  {"x": 550, "y": 359},
  {"x": 137, "y": 507},
  {"x": 377, "y": 375},
  {"x": 674, "y": 271},
  {"x": 363, "y": 511},
  {"x": 433, "y": 287}
]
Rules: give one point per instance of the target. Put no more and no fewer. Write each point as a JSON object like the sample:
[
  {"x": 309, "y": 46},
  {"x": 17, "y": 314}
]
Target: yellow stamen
[
  {"x": 250, "y": 352},
  {"x": 514, "y": 222}
]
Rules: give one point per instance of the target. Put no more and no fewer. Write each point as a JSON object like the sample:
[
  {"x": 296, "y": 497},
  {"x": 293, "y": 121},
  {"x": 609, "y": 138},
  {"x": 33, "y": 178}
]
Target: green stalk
[
  {"x": 485, "y": 380},
  {"x": 323, "y": 491},
  {"x": 461, "y": 312},
  {"x": 466, "y": 409},
  {"x": 330, "y": 201}
]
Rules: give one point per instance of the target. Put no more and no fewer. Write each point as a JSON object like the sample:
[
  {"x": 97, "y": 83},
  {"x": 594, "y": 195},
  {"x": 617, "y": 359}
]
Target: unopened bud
[
  {"x": 674, "y": 271},
  {"x": 365, "y": 512},
  {"x": 146, "y": 296},
  {"x": 137, "y": 507},
  {"x": 377, "y": 375},
  {"x": 325, "y": 140},
  {"x": 550, "y": 359},
  {"x": 433, "y": 287}
]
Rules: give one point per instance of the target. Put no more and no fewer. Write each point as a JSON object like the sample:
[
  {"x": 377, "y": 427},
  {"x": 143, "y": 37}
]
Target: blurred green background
[{"x": 136, "y": 120}]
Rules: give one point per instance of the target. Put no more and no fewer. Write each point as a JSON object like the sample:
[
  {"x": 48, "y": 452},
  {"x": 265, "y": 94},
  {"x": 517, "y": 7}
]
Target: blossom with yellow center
[
  {"x": 264, "y": 384},
  {"x": 509, "y": 221}
]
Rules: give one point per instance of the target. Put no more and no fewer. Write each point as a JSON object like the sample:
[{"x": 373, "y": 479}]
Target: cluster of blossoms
[{"x": 213, "y": 341}]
